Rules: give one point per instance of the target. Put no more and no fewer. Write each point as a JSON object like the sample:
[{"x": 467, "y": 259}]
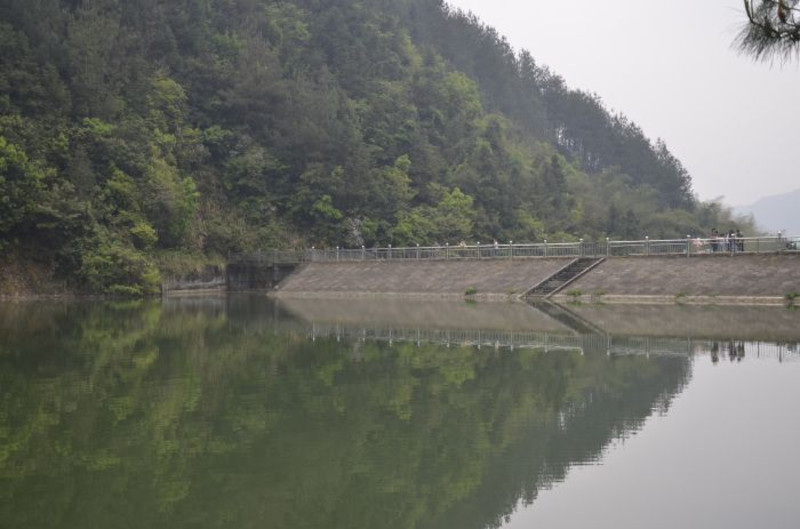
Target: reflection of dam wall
[
  {"x": 769, "y": 323},
  {"x": 610, "y": 329},
  {"x": 423, "y": 314}
]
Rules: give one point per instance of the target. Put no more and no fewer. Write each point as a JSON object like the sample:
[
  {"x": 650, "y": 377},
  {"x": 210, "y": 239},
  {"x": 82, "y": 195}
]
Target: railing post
[
  {"x": 647, "y": 245},
  {"x": 446, "y": 250},
  {"x": 581, "y": 249},
  {"x": 688, "y": 246},
  {"x": 608, "y": 248},
  {"x": 511, "y": 246},
  {"x": 545, "y": 247},
  {"x": 389, "y": 253},
  {"x": 363, "y": 253},
  {"x": 337, "y": 253},
  {"x": 478, "y": 245},
  {"x": 417, "y": 250}
]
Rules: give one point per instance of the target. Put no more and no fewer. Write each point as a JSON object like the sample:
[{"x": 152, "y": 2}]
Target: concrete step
[{"x": 564, "y": 277}]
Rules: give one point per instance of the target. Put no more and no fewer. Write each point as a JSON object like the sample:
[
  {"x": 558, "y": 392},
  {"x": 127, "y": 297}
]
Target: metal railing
[
  {"x": 270, "y": 257},
  {"x": 688, "y": 247},
  {"x": 608, "y": 248}
]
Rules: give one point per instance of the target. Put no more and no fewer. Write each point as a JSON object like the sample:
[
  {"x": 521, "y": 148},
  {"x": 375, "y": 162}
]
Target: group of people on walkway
[{"x": 733, "y": 241}]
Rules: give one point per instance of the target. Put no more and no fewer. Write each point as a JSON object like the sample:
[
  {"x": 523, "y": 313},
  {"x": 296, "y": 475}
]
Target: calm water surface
[{"x": 244, "y": 412}]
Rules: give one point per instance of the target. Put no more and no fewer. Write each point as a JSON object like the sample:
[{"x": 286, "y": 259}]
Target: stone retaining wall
[{"x": 210, "y": 278}]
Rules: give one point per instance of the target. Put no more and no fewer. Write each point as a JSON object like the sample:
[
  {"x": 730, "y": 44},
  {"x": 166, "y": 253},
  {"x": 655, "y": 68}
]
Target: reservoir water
[{"x": 241, "y": 411}]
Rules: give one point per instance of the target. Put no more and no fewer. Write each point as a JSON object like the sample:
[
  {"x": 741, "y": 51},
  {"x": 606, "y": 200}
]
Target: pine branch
[{"x": 772, "y": 30}]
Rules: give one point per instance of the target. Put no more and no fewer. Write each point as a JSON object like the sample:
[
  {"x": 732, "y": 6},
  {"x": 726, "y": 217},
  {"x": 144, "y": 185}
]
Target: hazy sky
[{"x": 670, "y": 67}]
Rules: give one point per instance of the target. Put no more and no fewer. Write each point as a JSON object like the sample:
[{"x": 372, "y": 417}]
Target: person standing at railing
[
  {"x": 462, "y": 248},
  {"x": 714, "y": 240},
  {"x": 740, "y": 240}
]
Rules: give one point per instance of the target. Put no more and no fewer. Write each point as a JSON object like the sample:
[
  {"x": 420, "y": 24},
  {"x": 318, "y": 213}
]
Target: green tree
[
  {"x": 451, "y": 220},
  {"x": 171, "y": 202},
  {"x": 21, "y": 187}
]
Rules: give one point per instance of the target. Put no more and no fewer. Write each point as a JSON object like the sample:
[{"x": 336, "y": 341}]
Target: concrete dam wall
[
  {"x": 707, "y": 279},
  {"x": 504, "y": 278}
]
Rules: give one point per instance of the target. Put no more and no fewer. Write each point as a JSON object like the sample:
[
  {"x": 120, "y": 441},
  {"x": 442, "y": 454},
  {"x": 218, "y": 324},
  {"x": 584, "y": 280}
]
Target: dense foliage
[{"x": 135, "y": 133}]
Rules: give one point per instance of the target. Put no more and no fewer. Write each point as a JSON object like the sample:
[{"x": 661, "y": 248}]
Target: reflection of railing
[
  {"x": 659, "y": 346},
  {"x": 637, "y": 345},
  {"x": 597, "y": 343},
  {"x": 738, "y": 350},
  {"x": 451, "y": 337},
  {"x": 686, "y": 247}
]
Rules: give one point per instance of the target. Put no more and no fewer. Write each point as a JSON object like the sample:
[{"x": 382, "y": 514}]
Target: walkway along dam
[{"x": 747, "y": 271}]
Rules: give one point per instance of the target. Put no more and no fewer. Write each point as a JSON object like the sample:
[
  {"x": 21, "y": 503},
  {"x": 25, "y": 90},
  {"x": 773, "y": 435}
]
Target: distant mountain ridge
[{"x": 776, "y": 213}]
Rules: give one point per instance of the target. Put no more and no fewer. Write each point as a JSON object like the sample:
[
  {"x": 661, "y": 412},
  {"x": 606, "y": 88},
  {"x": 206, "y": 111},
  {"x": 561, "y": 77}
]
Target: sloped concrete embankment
[
  {"x": 488, "y": 278},
  {"x": 707, "y": 279}
]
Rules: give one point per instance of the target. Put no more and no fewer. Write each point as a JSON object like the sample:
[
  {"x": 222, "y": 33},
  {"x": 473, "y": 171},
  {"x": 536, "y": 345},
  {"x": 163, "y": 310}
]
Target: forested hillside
[{"x": 140, "y": 137}]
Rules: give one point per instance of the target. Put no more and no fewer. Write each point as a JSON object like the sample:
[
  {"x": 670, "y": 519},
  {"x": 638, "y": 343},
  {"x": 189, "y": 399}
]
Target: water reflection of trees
[{"x": 137, "y": 415}]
